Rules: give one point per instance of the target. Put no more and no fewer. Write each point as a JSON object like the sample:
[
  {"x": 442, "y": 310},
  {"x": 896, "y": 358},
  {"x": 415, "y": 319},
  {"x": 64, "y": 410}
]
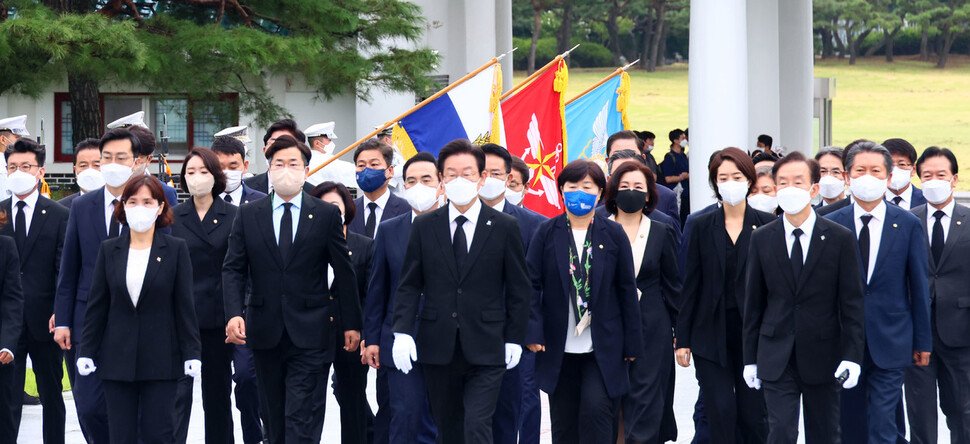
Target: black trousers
[
  {"x": 140, "y": 411},
  {"x": 821, "y": 404},
  {"x": 580, "y": 408},
  {"x": 47, "y": 363},
  {"x": 645, "y": 406},
  {"x": 350, "y": 390},
  {"x": 293, "y": 391},
  {"x": 216, "y": 391},
  {"x": 463, "y": 398},
  {"x": 10, "y": 393},
  {"x": 950, "y": 368}
]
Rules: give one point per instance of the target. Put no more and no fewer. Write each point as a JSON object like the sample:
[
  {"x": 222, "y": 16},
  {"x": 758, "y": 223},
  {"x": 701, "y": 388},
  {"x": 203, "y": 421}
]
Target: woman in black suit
[
  {"x": 709, "y": 323},
  {"x": 584, "y": 320},
  {"x": 350, "y": 373},
  {"x": 204, "y": 222},
  {"x": 140, "y": 333},
  {"x": 631, "y": 195}
]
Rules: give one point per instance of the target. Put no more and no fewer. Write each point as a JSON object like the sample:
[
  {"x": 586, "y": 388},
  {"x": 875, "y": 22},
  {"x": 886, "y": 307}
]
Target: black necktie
[
  {"x": 936, "y": 243},
  {"x": 458, "y": 243},
  {"x": 371, "y": 223},
  {"x": 796, "y": 253},
  {"x": 20, "y": 228},
  {"x": 864, "y": 246},
  {"x": 897, "y": 200},
  {"x": 113, "y": 227},
  {"x": 286, "y": 231},
  {"x": 228, "y": 198}
]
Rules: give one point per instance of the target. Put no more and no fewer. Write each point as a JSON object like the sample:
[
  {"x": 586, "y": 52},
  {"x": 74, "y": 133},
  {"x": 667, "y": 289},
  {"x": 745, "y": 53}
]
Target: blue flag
[{"x": 591, "y": 119}]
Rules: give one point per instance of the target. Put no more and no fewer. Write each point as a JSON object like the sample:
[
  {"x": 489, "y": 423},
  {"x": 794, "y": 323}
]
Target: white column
[
  {"x": 763, "y": 89},
  {"x": 796, "y": 59},
  {"x": 503, "y": 39},
  {"x": 718, "y": 87},
  {"x": 480, "y": 40}
]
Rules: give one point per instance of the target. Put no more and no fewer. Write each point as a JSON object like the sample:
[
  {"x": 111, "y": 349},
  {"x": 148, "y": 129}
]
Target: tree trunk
[
  {"x": 875, "y": 48},
  {"x": 536, "y": 28},
  {"x": 924, "y": 46},
  {"x": 565, "y": 31},
  {"x": 85, "y": 107},
  {"x": 854, "y": 45},
  {"x": 839, "y": 43},
  {"x": 890, "y": 43},
  {"x": 826, "y": 36},
  {"x": 662, "y": 48},
  {"x": 948, "y": 38},
  {"x": 659, "y": 30},
  {"x": 645, "y": 41},
  {"x": 614, "y": 31}
]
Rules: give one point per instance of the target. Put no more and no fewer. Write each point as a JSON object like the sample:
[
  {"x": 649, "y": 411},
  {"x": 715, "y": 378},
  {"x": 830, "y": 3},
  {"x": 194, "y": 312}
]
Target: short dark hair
[
  {"x": 121, "y": 134},
  {"x": 350, "y": 210},
  {"x": 419, "y": 157},
  {"x": 795, "y": 156},
  {"x": 623, "y": 135},
  {"x": 520, "y": 166},
  {"x": 740, "y": 159},
  {"x": 147, "y": 139},
  {"x": 765, "y": 140},
  {"x": 211, "y": 162},
  {"x": 935, "y": 151},
  {"x": 901, "y": 147},
  {"x": 284, "y": 142},
  {"x": 576, "y": 170},
  {"x": 645, "y": 135},
  {"x": 460, "y": 146},
  {"x": 87, "y": 144},
  {"x": 158, "y": 193},
  {"x": 373, "y": 144},
  {"x": 764, "y": 157},
  {"x": 500, "y": 151},
  {"x": 284, "y": 125},
  {"x": 613, "y": 186},
  {"x": 624, "y": 154},
  {"x": 229, "y": 146},
  {"x": 867, "y": 146},
  {"x": 830, "y": 151},
  {"x": 675, "y": 134},
  {"x": 26, "y": 145}
]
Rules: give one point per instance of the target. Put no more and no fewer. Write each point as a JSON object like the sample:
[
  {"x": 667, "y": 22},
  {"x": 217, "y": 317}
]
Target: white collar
[
  {"x": 471, "y": 214},
  {"x": 381, "y": 201},
  {"x": 296, "y": 201},
  {"x": 500, "y": 206},
  {"x": 879, "y": 212},
  {"x": 930, "y": 209},
  {"x": 108, "y": 197},
  {"x": 808, "y": 226},
  {"x": 907, "y": 194},
  {"x": 31, "y": 199}
]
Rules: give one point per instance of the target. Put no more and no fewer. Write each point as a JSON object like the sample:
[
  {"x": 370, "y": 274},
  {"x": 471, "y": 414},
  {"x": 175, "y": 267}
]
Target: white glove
[
  {"x": 193, "y": 368},
  {"x": 404, "y": 351},
  {"x": 85, "y": 366},
  {"x": 750, "y": 376},
  {"x": 854, "y": 372},
  {"x": 513, "y": 352}
]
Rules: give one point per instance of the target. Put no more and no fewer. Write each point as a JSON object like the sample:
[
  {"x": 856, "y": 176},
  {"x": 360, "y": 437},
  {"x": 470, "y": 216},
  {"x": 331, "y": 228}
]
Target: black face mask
[{"x": 631, "y": 201}]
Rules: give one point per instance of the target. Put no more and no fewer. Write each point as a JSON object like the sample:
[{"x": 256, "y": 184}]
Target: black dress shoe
[{"x": 31, "y": 400}]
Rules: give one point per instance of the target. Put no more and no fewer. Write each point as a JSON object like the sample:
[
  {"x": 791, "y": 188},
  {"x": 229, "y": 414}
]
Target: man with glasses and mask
[
  {"x": 831, "y": 187},
  {"x": 902, "y": 192}
]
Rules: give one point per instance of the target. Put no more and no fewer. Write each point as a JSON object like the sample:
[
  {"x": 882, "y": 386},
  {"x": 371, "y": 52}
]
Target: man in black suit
[
  {"x": 232, "y": 158},
  {"x": 261, "y": 182},
  {"x": 802, "y": 322},
  {"x": 902, "y": 192},
  {"x": 467, "y": 262},
  {"x": 946, "y": 225},
  {"x": 831, "y": 187},
  {"x": 87, "y": 172},
  {"x": 37, "y": 227},
  {"x": 374, "y": 170},
  {"x": 282, "y": 245}
]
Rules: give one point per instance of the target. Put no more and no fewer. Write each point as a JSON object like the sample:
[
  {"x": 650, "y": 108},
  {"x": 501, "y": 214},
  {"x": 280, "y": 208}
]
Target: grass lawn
[{"x": 874, "y": 100}]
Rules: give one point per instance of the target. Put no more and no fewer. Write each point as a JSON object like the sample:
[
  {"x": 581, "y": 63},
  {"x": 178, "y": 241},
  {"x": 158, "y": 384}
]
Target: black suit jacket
[
  {"x": 950, "y": 278},
  {"x": 833, "y": 207},
  {"x": 260, "y": 182},
  {"x": 251, "y": 195},
  {"x": 40, "y": 262},
  {"x": 361, "y": 251},
  {"x": 820, "y": 316},
  {"x": 701, "y": 324},
  {"x": 660, "y": 287},
  {"x": 389, "y": 253},
  {"x": 66, "y": 200},
  {"x": 395, "y": 207},
  {"x": 152, "y": 340},
  {"x": 11, "y": 296},
  {"x": 289, "y": 292},
  {"x": 488, "y": 298},
  {"x": 208, "y": 241}
]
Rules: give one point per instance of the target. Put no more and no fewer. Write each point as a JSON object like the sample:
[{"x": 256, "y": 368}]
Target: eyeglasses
[{"x": 25, "y": 168}]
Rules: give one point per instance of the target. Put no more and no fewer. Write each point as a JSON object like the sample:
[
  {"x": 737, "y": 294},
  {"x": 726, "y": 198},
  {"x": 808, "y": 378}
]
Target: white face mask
[
  {"x": 421, "y": 197},
  {"x": 868, "y": 188},
  {"x": 900, "y": 178},
  {"x": 115, "y": 175},
  {"x": 732, "y": 192},
  {"x": 649, "y": 148},
  {"x": 89, "y": 180},
  {"x": 461, "y": 191},
  {"x": 514, "y": 197},
  {"x": 21, "y": 183},
  {"x": 763, "y": 202},
  {"x": 199, "y": 184},
  {"x": 492, "y": 188},
  {"x": 233, "y": 180},
  {"x": 937, "y": 191},
  {"x": 141, "y": 219},
  {"x": 287, "y": 181},
  {"x": 830, "y": 187},
  {"x": 683, "y": 143},
  {"x": 793, "y": 199}
]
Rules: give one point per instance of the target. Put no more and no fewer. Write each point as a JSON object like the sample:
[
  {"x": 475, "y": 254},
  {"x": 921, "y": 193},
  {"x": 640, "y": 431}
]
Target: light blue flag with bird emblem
[{"x": 592, "y": 118}]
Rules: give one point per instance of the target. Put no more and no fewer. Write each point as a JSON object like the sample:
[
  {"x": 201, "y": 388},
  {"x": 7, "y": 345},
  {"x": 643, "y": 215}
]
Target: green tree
[
  {"x": 950, "y": 17},
  {"x": 205, "y": 48}
]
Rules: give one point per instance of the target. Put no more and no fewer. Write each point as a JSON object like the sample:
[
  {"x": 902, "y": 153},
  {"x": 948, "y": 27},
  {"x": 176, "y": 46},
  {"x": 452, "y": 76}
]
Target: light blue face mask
[{"x": 579, "y": 203}]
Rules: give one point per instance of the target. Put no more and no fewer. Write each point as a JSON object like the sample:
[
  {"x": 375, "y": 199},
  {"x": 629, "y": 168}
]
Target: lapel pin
[
  {"x": 601, "y": 246},
  {"x": 158, "y": 259},
  {"x": 309, "y": 216},
  {"x": 823, "y": 237},
  {"x": 350, "y": 253},
  {"x": 43, "y": 211},
  {"x": 958, "y": 223},
  {"x": 641, "y": 236},
  {"x": 215, "y": 221},
  {"x": 754, "y": 227},
  {"x": 489, "y": 223},
  {"x": 895, "y": 226}
]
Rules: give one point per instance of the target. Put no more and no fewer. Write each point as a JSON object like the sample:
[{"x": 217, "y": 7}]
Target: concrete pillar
[
  {"x": 718, "y": 87},
  {"x": 503, "y": 39},
  {"x": 479, "y": 42},
  {"x": 763, "y": 89},
  {"x": 796, "y": 61}
]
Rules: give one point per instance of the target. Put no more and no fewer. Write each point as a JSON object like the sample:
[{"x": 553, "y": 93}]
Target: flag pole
[
  {"x": 538, "y": 72},
  {"x": 424, "y": 102},
  {"x": 602, "y": 81}
]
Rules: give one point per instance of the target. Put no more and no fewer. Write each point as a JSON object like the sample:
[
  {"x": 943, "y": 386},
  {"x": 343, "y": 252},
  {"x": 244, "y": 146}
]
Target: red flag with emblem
[{"x": 535, "y": 130}]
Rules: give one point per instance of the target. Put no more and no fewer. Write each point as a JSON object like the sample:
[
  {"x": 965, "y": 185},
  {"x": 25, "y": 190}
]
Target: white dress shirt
[
  {"x": 31, "y": 201},
  {"x": 907, "y": 196},
  {"x": 500, "y": 206},
  {"x": 875, "y": 230},
  {"x": 278, "y": 214},
  {"x": 236, "y": 195},
  {"x": 808, "y": 226},
  {"x": 379, "y": 211},
  {"x": 109, "y": 209},
  {"x": 584, "y": 342},
  {"x": 945, "y": 220},
  {"x": 135, "y": 272},
  {"x": 469, "y": 226}
]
